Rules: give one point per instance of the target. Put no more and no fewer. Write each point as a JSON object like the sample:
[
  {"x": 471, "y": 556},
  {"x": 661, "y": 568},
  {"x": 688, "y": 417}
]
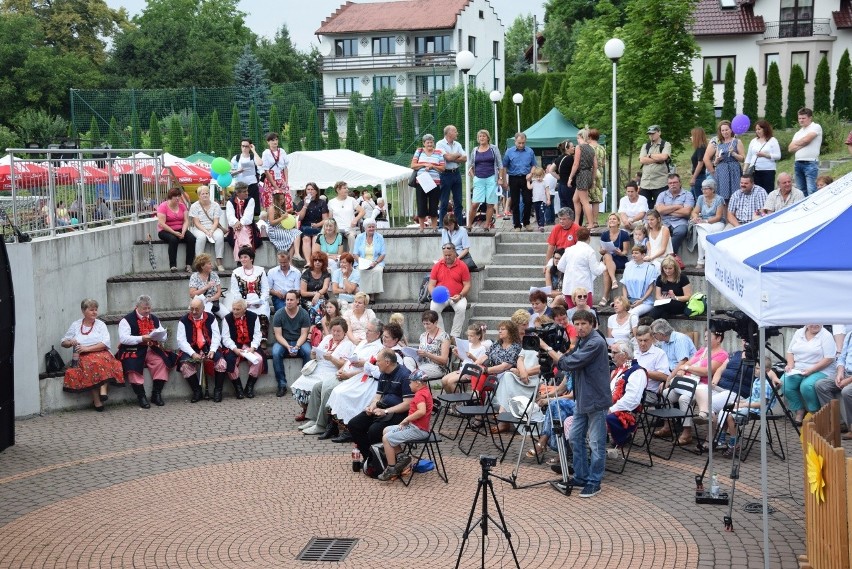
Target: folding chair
[
  {"x": 673, "y": 416},
  {"x": 524, "y": 421},
  {"x": 431, "y": 446},
  {"x": 459, "y": 397},
  {"x": 484, "y": 413},
  {"x": 642, "y": 423},
  {"x": 771, "y": 419}
]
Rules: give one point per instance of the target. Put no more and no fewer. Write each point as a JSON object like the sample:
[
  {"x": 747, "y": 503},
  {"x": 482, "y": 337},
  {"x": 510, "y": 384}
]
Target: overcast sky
[{"x": 266, "y": 16}]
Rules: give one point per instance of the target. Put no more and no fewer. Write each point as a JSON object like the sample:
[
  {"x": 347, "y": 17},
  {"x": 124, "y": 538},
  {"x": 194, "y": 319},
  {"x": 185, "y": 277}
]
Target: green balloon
[{"x": 221, "y": 166}]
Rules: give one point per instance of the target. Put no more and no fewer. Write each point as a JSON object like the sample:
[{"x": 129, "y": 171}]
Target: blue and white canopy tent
[{"x": 793, "y": 267}]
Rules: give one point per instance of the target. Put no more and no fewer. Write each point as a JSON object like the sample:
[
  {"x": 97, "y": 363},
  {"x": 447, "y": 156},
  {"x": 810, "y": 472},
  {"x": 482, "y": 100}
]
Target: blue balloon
[
  {"x": 224, "y": 180},
  {"x": 213, "y": 174},
  {"x": 441, "y": 294}
]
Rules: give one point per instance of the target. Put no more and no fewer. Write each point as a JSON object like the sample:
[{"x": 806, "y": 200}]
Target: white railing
[{"x": 45, "y": 192}]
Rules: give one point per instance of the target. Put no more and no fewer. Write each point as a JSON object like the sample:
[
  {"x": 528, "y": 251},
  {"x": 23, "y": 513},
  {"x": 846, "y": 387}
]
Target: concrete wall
[{"x": 51, "y": 277}]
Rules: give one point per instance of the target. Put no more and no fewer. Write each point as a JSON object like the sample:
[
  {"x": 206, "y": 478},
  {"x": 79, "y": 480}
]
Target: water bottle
[
  {"x": 356, "y": 459},
  {"x": 75, "y": 356},
  {"x": 714, "y": 486}
]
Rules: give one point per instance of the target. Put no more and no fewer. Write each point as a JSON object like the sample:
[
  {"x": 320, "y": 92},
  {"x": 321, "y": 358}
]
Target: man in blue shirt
[
  {"x": 677, "y": 346},
  {"x": 675, "y": 207},
  {"x": 454, "y": 156},
  {"x": 517, "y": 163}
]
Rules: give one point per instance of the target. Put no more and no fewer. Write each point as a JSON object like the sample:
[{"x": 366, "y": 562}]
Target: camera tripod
[{"x": 483, "y": 488}]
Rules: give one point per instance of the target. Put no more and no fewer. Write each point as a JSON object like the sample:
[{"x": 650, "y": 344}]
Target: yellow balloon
[{"x": 289, "y": 222}]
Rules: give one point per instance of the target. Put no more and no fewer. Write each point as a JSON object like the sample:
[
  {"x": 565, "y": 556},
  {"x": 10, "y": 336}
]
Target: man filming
[{"x": 589, "y": 364}]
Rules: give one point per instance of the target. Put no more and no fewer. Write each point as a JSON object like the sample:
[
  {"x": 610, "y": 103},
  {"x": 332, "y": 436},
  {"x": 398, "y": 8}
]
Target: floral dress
[{"x": 433, "y": 346}]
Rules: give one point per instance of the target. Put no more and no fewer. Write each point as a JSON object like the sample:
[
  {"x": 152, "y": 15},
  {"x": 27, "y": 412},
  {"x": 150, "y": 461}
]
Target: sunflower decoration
[{"x": 815, "y": 479}]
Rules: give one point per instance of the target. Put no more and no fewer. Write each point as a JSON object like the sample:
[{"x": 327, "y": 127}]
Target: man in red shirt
[
  {"x": 452, "y": 273},
  {"x": 563, "y": 234}
]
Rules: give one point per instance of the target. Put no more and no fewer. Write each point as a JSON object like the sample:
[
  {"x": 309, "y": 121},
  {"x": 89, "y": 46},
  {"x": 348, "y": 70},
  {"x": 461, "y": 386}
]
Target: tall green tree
[
  {"x": 95, "y": 138},
  {"x": 425, "y": 121},
  {"x": 154, "y": 135},
  {"x": 706, "y": 110},
  {"x": 352, "y": 141},
  {"x": 218, "y": 144},
  {"x": 408, "y": 136},
  {"x": 389, "y": 131},
  {"x": 563, "y": 20},
  {"x": 508, "y": 121},
  {"x": 795, "y": 94},
  {"x": 313, "y": 137},
  {"x": 199, "y": 140},
  {"x": 547, "y": 100},
  {"x": 176, "y": 142},
  {"x": 284, "y": 62},
  {"x": 445, "y": 111},
  {"x": 115, "y": 136},
  {"x": 527, "y": 111},
  {"x": 661, "y": 46},
  {"x": 255, "y": 130},
  {"x": 842, "y": 102},
  {"x": 252, "y": 90},
  {"x": 369, "y": 140},
  {"x": 274, "y": 120},
  {"x": 135, "y": 130},
  {"x": 518, "y": 38},
  {"x": 333, "y": 134},
  {"x": 822, "y": 87},
  {"x": 772, "y": 108},
  {"x": 750, "y": 95},
  {"x": 294, "y": 131},
  {"x": 235, "y": 133},
  {"x": 729, "y": 104},
  {"x": 35, "y": 125},
  {"x": 180, "y": 43}
]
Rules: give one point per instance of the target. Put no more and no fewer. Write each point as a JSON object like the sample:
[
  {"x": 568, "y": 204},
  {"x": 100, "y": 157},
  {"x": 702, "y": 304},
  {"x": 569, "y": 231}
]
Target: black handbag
[
  {"x": 468, "y": 260},
  {"x": 53, "y": 361},
  {"x": 412, "y": 180}
]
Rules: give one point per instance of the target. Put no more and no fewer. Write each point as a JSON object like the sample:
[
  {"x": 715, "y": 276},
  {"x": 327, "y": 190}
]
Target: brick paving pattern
[{"x": 236, "y": 485}]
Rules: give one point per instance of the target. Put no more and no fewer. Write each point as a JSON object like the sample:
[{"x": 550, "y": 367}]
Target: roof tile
[
  {"x": 843, "y": 17},
  {"x": 393, "y": 16},
  {"x": 712, "y": 20}
]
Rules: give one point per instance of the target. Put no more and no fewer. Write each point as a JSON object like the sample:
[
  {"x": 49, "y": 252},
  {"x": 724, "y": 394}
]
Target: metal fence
[{"x": 48, "y": 192}]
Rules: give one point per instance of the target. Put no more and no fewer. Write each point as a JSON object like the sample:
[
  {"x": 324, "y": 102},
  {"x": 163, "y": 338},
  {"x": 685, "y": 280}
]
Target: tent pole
[
  {"x": 709, "y": 392},
  {"x": 763, "y": 477}
]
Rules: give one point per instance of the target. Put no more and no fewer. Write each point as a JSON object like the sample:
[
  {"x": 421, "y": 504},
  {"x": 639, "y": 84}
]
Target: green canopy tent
[
  {"x": 200, "y": 158},
  {"x": 552, "y": 129}
]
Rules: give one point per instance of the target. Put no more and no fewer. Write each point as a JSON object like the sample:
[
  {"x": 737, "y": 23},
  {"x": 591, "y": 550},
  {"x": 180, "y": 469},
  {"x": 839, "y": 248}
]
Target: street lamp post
[
  {"x": 517, "y": 98},
  {"x": 614, "y": 49},
  {"x": 495, "y": 97},
  {"x": 464, "y": 61}
]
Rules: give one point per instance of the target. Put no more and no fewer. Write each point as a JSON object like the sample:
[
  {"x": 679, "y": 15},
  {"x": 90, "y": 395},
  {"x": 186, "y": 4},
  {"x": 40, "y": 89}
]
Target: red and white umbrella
[
  {"x": 190, "y": 173},
  {"x": 27, "y": 174},
  {"x": 71, "y": 174}
]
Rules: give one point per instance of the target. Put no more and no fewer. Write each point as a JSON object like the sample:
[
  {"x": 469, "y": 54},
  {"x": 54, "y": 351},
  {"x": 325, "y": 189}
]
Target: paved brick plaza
[{"x": 236, "y": 485}]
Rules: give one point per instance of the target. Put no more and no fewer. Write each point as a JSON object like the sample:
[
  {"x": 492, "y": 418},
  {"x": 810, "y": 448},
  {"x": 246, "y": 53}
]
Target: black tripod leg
[
  {"x": 502, "y": 525},
  {"x": 470, "y": 523}
]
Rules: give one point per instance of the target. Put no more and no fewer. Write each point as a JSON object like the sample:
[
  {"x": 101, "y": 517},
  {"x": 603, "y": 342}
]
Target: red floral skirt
[{"x": 94, "y": 370}]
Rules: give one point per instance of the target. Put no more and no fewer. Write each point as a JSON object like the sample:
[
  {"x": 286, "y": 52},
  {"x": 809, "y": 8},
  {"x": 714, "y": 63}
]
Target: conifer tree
[
  {"x": 750, "y": 95},
  {"x": 369, "y": 140},
  {"x": 388, "y": 131},
  {"x": 408, "y": 136},
  {"x": 352, "y": 142},
  {"x": 294, "y": 132},
  {"x": 822, "y": 87},
  {"x": 155, "y": 137},
  {"x": 795, "y": 94},
  {"x": 729, "y": 105},
  {"x": 842, "y": 103},
  {"x": 333, "y": 135},
  {"x": 774, "y": 97}
]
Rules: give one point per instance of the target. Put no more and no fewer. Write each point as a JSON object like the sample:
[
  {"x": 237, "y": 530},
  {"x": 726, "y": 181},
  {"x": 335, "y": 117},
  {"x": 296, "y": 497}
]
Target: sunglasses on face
[{"x": 582, "y": 296}]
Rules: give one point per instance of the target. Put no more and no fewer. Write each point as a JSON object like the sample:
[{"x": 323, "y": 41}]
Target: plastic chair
[{"x": 673, "y": 416}]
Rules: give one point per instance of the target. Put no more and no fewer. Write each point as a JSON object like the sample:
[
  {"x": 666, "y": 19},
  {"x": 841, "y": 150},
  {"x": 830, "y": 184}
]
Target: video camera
[
  {"x": 745, "y": 328},
  {"x": 487, "y": 462},
  {"x": 554, "y": 336}
]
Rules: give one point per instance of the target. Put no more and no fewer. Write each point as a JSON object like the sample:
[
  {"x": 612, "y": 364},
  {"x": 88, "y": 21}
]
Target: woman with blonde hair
[
  {"x": 723, "y": 159},
  {"x": 485, "y": 164},
  {"x": 358, "y": 317},
  {"x": 596, "y": 193},
  {"x": 671, "y": 286}
]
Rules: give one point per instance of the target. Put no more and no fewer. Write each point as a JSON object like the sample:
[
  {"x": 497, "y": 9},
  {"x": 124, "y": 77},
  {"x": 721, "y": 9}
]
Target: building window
[
  {"x": 471, "y": 44},
  {"x": 471, "y": 80},
  {"x": 800, "y": 58},
  {"x": 797, "y": 19},
  {"x": 427, "y": 84},
  {"x": 345, "y": 48},
  {"x": 384, "y": 82},
  {"x": 481, "y": 15},
  {"x": 459, "y": 42},
  {"x": 384, "y": 46},
  {"x": 346, "y": 86},
  {"x": 769, "y": 59},
  {"x": 718, "y": 65},
  {"x": 495, "y": 50},
  {"x": 432, "y": 44}
]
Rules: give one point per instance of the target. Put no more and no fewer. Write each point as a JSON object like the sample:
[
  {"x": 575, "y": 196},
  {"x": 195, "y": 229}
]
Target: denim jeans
[
  {"x": 451, "y": 183},
  {"x": 678, "y": 235},
  {"x": 806, "y": 175},
  {"x": 539, "y": 209},
  {"x": 279, "y": 352},
  {"x": 593, "y": 424},
  {"x": 277, "y": 304}
]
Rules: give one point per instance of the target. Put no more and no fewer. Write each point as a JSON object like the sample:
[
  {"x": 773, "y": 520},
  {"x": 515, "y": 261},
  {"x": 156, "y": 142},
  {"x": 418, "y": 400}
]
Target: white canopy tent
[{"x": 767, "y": 268}]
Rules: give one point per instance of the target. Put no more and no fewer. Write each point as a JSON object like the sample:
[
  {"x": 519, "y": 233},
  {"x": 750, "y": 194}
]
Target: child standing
[
  {"x": 415, "y": 427},
  {"x": 540, "y": 195},
  {"x": 550, "y": 180}
]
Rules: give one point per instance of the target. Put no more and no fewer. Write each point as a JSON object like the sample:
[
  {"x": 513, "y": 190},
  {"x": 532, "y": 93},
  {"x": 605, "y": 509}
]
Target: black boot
[
  {"x": 139, "y": 390},
  {"x": 196, "y": 388},
  {"x": 331, "y": 430},
  {"x": 250, "y": 387},
  {"x": 157, "y": 393},
  {"x": 238, "y": 387},
  {"x": 217, "y": 388}
]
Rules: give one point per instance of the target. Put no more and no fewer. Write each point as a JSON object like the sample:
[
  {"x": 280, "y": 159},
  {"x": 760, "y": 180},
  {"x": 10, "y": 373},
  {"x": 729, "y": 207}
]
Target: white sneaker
[
  {"x": 313, "y": 430},
  {"x": 613, "y": 453},
  {"x": 307, "y": 425}
]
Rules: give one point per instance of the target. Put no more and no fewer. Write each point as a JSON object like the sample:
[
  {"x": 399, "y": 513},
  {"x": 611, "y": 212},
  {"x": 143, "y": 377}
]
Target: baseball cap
[{"x": 653, "y": 128}]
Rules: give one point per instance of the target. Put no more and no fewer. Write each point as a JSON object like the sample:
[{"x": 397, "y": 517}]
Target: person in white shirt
[
  {"x": 451, "y": 182},
  {"x": 627, "y": 385},
  {"x": 806, "y": 144},
  {"x": 239, "y": 214},
  {"x": 551, "y": 180},
  {"x": 632, "y": 207},
  {"x": 198, "y": 339},
  {"x": 246, "y": 167},
  {"x": 580, "y": 264},
  {"x": 346, "y": 213},
  {"x": 275, "y": 162},
  {"x": 785, "y": 196},
  {"x": 652, "y": 358}
]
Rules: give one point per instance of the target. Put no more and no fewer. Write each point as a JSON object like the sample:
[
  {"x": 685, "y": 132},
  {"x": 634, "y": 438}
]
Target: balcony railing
[
  {"x": 797, "y": 29},
  {"x": 405, "y": 60},
  {"x": 344, "y": 102}
]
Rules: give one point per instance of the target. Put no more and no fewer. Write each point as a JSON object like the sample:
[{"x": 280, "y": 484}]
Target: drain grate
[{"x": 327, "y": 549}]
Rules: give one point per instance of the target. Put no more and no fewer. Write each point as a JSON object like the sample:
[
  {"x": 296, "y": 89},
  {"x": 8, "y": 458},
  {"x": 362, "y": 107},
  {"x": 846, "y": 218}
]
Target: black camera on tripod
[
  {"x": 487, "y": 462},
  {"x": 551, "y": 334},
  {"x": 744, "y": 327}
]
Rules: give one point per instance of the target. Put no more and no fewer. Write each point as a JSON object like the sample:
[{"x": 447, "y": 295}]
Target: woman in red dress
[{"x": 93, "y": 365}]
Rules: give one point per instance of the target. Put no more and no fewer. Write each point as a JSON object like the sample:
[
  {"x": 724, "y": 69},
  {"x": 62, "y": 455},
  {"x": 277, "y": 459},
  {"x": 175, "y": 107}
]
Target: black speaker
[{"x": 7, "y": 351}]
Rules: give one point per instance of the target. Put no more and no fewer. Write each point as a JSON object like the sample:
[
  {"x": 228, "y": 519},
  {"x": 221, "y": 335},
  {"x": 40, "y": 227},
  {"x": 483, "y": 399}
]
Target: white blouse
[{"x": 98, "y": 335}]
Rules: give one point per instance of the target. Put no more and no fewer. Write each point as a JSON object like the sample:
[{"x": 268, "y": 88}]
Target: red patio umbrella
[
  {"x": 27, "y": 175},
  {"x": 189, "y": 173},
  {"x": 71, "y": 174}
]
